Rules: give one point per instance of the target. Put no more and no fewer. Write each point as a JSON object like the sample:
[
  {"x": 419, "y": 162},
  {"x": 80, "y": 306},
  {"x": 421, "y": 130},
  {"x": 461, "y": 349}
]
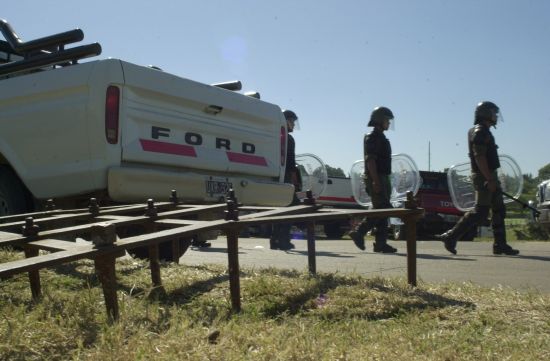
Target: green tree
[
  {"x": 334, "y": 172},
  {"x": 529, "y": 191},
  {"x": 544, "y": 173},
  {"x": 529, "y": 188}
]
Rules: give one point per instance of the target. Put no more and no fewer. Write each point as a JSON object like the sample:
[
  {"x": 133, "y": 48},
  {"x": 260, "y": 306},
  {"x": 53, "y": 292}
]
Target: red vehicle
[{"x": 440, "y": 213}]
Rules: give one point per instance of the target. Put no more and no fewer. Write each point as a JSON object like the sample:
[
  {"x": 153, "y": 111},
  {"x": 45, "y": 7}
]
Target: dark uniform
[
  {"x": 481, "y": 143},
  {"x": 377, "y": 147},
  {"x": 377, "y": 154},
  {"x": 280, "y": 235},
  {"x": 290, "y": 166}
]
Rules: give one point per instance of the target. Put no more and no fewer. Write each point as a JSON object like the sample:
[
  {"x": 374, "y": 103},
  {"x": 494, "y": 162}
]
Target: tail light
[
  {"x": 112, "y": 107},
  {"x": 283, "y": 146}
]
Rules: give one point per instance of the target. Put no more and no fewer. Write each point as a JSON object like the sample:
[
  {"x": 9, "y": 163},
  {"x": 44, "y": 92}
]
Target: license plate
[{"x": 216, "y": 187}]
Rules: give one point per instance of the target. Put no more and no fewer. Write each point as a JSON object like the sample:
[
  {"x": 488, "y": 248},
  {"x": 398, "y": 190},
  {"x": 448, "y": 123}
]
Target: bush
[{"x": 532, "y": 231}]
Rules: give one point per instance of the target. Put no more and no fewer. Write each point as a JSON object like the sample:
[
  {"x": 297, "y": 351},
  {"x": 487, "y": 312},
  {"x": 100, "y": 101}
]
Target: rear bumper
[{"x": 126, "y": 184}]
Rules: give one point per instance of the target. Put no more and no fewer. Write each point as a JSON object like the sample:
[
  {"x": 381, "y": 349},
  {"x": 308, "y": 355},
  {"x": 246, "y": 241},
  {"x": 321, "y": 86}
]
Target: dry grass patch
[{"x": 287, "y": 315}]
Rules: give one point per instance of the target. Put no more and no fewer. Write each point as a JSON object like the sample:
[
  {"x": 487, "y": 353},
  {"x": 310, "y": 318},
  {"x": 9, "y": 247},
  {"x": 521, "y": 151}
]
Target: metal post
[
  {"x": 104, "y": 235},
  {"x": 312, "y": 263},
  {"x": 154, "y": 262},
  {"x": 34, "y": 276},
  {"x": 311, "y": 236},
  {"x": 410, "y": 226},
  {"x": 232, "y": 214},
  {"x": 154, "y": 265},
  {"x": 93, "y": 207},
  {"x": 233, "y": 265},
  {"x": 30, "y": 230},
  {"x": 105, "y": 269}
]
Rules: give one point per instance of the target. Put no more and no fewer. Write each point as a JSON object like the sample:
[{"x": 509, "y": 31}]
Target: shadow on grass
[
  {"x": 186, "y": 294},
  {"x": 178, "y": 296},
  {"x": 310, "y": 297},
  {"x": 275, "y": 300}
]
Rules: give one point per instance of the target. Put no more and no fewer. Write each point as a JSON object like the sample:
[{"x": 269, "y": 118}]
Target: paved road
[{"x": 474, "y": 261}]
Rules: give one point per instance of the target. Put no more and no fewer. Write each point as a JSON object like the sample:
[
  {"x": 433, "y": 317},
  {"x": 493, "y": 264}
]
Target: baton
[{"x": 535, "y": 211}]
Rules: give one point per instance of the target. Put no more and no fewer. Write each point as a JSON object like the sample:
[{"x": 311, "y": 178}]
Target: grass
[{"x": 286, "y": 315}]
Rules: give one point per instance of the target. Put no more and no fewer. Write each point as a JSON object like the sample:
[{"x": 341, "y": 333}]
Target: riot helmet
[
  {"x": 379, "y": 115},
  {"x": 488, "y": 111},
  {"x": 291, "y": 120}
]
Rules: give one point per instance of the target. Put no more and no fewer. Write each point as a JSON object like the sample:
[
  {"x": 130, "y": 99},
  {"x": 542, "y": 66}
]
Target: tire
[
  {"x": 333, "y": 230},
  {"x": 13, "y": 196}
]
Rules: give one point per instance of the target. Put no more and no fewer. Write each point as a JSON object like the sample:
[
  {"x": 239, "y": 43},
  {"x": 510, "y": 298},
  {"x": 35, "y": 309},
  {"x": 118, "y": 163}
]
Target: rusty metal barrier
[{"x": 169, "y": 223}]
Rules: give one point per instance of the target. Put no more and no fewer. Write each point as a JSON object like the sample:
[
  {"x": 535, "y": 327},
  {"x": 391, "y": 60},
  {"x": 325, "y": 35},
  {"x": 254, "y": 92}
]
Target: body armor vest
[{"x": 481, "y": 135}]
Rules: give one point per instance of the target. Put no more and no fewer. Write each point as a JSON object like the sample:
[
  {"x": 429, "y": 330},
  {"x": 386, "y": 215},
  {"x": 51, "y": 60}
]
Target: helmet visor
[
  {"x": 391, "y": 124},
  {"x": 499, "y": 117},
  {"x": 496, "y": 118},
  {"x": 294, "y": 123}
]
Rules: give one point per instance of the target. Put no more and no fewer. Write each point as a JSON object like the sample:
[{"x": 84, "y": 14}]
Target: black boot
[
  {"x": 286, "y": 246},
  {"x": 383, "y": 248},
  {"x": 358, "y": 239},
  {"x": 449, "y": 240},
  {"x": 464, "y": 224},
  {"x": 358, "y": 233},
  {"x": 281, "y": 237},
  {"x": 500, "y": 246},
  {"x": 504, "y": 249},
  {"x": 200, "y": 243},
  {"x": 273, "y": 244},
  {"x": 381, "y": 238}
]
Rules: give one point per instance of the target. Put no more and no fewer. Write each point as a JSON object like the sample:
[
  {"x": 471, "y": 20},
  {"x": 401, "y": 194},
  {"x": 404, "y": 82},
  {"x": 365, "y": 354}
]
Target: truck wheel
[
  {"x": 399, "y": 233},
  {"x": 13, "y": 198},
  {"x": 333, "y": 230}
]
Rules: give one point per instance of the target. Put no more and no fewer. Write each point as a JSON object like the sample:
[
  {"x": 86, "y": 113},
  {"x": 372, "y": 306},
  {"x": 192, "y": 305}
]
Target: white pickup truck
[{"x": 117, "y": 131}]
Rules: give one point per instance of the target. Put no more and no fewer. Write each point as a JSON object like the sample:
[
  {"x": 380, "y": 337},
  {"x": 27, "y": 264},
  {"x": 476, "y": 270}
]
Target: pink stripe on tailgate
[
  {"x": 246, "y": 159},
  {"x": 167, "y": 148}
]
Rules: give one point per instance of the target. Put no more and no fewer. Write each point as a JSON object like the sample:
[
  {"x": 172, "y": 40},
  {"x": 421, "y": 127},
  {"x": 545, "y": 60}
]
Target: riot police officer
[
  {"x": 484, "y": 163},
  {"x": 377, "y": 154},
  {"x": 280, "y": 236}
]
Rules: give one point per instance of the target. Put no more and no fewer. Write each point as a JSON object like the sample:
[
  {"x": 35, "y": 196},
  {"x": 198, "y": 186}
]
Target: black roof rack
[{"x": 42, "y": 52}]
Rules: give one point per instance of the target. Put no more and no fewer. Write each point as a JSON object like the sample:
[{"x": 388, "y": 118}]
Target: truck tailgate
[{"x": 171, "y": 121}]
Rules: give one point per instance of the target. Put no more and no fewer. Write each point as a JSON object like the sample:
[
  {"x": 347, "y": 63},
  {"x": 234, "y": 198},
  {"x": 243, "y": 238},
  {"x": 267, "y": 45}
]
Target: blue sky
[{"x": 332, "y": 62}]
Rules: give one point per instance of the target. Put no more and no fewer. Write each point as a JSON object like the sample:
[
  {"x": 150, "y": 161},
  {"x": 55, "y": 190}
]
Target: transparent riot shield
[
  {"x": 461, "y": 186},
  {"x": 404, "y": 178},
  {"x": 313, "y": 173}
]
